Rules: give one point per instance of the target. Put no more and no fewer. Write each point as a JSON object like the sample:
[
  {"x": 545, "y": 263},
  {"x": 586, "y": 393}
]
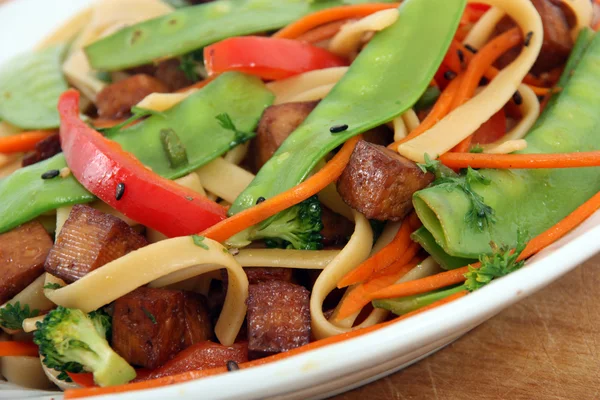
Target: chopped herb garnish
[
  {"x": 52, "y": 286},
  {"x": 120, "y": 191},
  {"x": 188, "y": 65},
  {"x": 199, "y": 241},
  {"x": 13, "y": 315},
  {"x": 338, "y": 128},
  {"x": 150, "y": 316},
  {"x": 476, "y": 149},
  {"x": 51, "y": 174},
  {"x": 104, "y": 76},
  {"x": 174, "y": 148},
  {"x": 501, "y": 262},
  {"x": 225, "y": 250},
  {"x": 480, "y": 214},
  {"x": 240, "y": 137}
]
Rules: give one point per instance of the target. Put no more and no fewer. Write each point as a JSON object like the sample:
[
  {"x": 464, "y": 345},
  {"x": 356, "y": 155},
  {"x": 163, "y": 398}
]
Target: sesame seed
[
  {"x": 449, "y": 75},
  {"x": 338, "y": 128},
  {"x": 260, "y": 200},
  {"x": 528, "y": 38},
  {"x": 461, "y": 57},
  {"x": 53, "y": 173},
  {"x": 517, "y": 98},
  {"x": 232, "y": 366},
  {"x": 471, "y": 48},
  {"x": 120, "y": 191}
]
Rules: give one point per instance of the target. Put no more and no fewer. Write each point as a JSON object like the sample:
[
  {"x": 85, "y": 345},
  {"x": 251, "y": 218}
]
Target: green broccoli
[
  {"x": 298, "y": 227},
  {"x": 73, "y": 341}
]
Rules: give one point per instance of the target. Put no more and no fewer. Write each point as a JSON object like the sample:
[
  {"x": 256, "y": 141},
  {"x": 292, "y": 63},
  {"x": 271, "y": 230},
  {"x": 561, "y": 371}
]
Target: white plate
[{"x": 341, "y": 367}]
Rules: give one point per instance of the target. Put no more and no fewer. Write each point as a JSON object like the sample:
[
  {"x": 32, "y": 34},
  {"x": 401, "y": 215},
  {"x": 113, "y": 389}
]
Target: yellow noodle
[
  {"x": 348, "y": 40},
  {"x": 399, "y": 127},
  {"x": 33, "y": 296},
  {"x": 583, "y": 11},
  {"x": 286, "y": 89},
  {"x": 30, "y": 324},
  {"x": 224, "y": 179},
  {"x": 301, "y": 259},
  {"x": 506, "y": 147},
  {"x": 411, "y": 120},
  {"x": 313, "y": 94},
  {"x": 466, "y": 119},
  {"x": 332, "y": 200},
  {"x": 237, "y": 154},
  {"x": 164, "y": 101},
  {"x": 26, "y": 372},
  {"x": 484, "y": 28},
  {"x": 162, "y": 264},
  {"x": 356, "y": 251},
  {"x": 61, "y": 217}
]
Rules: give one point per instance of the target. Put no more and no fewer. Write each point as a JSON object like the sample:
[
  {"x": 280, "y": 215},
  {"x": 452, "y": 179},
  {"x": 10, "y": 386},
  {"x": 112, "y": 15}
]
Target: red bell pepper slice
[
  {"x": 268, "y": 58},
  {"x": 101, "y": 165},
  {"x": 491, "y": 130}
]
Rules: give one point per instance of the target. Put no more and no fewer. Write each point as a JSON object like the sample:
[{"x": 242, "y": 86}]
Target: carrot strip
[
  {"x": 521, "y": 161},
  {"x": 198, "y": 85},
  {"x": 322, "y": 32},
  {"x": 359, "y": 295},
  {"x": 534, "y": 246},
  {"x": 29, "y": 349},
  {"x": 323, "y": 17},
  {"x": 192, "y": 375},
  {"x": 440, "y": 109},
  {"x": 24, "y": 141},
  {"x": 251, "y": 216}
]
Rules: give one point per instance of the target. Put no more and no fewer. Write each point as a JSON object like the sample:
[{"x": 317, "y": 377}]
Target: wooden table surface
[{"x": 545, "y": 347}]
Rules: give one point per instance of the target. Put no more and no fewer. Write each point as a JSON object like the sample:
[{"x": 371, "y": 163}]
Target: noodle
[
  {"x": 312, "y": 94},
  {"x": 583, "y": 12},
  {"x": 405, "y": 124},
  {"x": 224, "y": 179},
  {"x": 162, "y": 264},
  {"x": 506, "y": 147},
  {"x": 356, "y": 251},
  {"x": 33, "y": 296},
  {"x": 25, "y": 371},
  {"x": 237, "y": 154},
  {"x": 484, "y": 28},
  {"x": 164, "y": 101},
  {"x": 286, "y": 89},
  {"x": 466, "y": 119},
  {"x": 348, "y": 40},
  {"x": 300, "y": 259}
]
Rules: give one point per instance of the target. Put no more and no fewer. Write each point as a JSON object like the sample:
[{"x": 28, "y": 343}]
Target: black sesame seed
[
  {"x": 527, "y": 38},
  {"x": 517, "y": 98},
  {"x": 449, "y": 75},
  {"x": 120, "y": 191},
  {"x": 232, "y": 366},
  {"x": 471, "y": 48},
  {"x": 338, "y": 128},
  {"x": 484, "y": 81},
  {"x": 260, "y": 200},
  {"x": 53, "y": 173},
  {"x": 461, "y": 57}
]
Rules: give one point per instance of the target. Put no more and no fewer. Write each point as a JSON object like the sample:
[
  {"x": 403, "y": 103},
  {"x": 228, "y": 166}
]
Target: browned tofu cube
[
  {"x": 276, "y": 124},
  {"x": 336, "y": 229},
  {"x": 88, "y": 240},
  {"x": 263, "y": 274},
  {"x": 115, "y": 100},
  {"x": 278, "y": 318},
  {"x": 380, "y": 183},
  {"x": 198, "y": 327},
  {"x": 22, "y": 254},
  {"x": 148, "y": 326}
]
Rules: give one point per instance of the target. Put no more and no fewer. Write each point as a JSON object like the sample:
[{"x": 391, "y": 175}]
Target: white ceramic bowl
[{"x": 340, "y": 367}]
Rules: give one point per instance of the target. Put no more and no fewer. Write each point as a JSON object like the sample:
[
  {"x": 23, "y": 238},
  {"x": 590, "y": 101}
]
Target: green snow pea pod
[
  {"x": 192, "y": 28},
  {"x": 385, "y": 80},
  {"x": 30, "y": 85},
  {"x": 24, "y": 195},
  {"x": 529, "y": 200}
]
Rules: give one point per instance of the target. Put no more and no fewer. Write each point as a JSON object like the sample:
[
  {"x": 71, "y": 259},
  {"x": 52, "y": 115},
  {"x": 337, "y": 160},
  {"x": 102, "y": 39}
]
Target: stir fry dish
[{"x": 195, "y": 187}]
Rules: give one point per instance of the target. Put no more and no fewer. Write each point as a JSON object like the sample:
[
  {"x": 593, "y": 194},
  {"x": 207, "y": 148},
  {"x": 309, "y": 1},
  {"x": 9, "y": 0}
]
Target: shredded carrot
[
  {"x": 29, "y": 349},
  {"x": 192, "y": 375},
  {"x": 24, "y": 141},
  {"x": 251, "y": 216},
  {"x": 359, "y": 295},
  {"x": 198, "y": 85},
  {"x": 455, "y": 276},
  {"x": 440, "y": 109},
  {"x": 323, "y": 17},
  {"x": 385, "y": 256},
  {"x": 480, "y": 63},
  {"x": 518, "y": 161},
  {"x": 322, "y": 32}
]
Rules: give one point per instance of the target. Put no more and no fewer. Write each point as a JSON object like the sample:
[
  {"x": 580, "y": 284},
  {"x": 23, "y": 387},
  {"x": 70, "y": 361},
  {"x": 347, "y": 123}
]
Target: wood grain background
[{"x": 545, "y": 347}]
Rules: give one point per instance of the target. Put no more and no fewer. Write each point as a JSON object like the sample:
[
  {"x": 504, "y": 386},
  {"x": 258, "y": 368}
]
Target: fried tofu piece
[
  {"x": 336, "y": 228},
  {"x": 115, "y": 100},
  {"x": 263, "y": 274},
  {"x": 44, "y": 149},
  {"x": 151, "y": 325},
  {"x": 276, "y": 124},
  {"x": 278, "y": 318},
  {"x": 379, "y": 182},
  {"x": 88, "y": 240},
  {"x": 22, "y": 254},
  {"x": 203, "y": 355}
]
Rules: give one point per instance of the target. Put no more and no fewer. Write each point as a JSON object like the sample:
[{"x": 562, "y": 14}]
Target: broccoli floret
[
  {"x": 298, "y": 227},
  {"x": 73, "y": 341}
]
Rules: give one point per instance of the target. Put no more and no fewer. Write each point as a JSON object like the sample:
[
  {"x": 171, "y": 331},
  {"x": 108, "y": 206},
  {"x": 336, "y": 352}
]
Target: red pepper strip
[
  {"x": 84, "y": 379},
  {"x": 102, "y": 166},
  {"x": 491, "y": 130},
  {"x": 266, "y": 57}
]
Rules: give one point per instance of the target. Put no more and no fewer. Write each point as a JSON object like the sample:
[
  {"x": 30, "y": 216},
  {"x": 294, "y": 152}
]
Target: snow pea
[
  {"x": 24, "y": 195},
  {"x": 192, "y": 28},
  {"x": 529, "y": 200},
  {"x": 29, "y": 87},
  {"x": 385, "y": 80}
]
